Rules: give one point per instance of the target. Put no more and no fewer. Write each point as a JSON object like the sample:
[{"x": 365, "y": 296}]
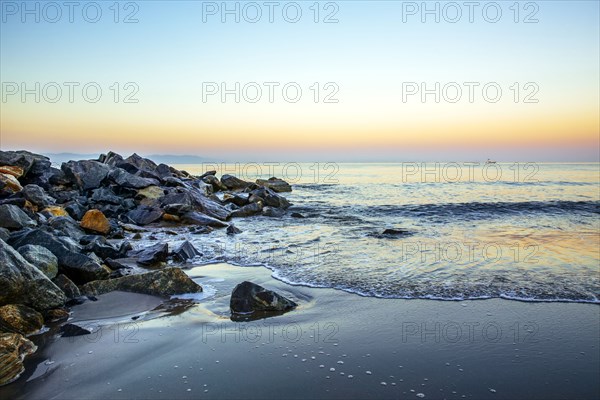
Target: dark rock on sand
[
  {"x": 79, "y": 267},
  {"x": 18, "y": 318},
  {"x": 86, "y": 174},
  {"x": 275, "y": 184},
  {"x": 12, "y": 217},
  {"x": 151, "y": 255},
  {"x": 71, "y": 330},
  {"x": 144, "y": 215},
  {"x": 67, "y": 286},
  {"x": 248, "y": 297},
  {"x": 13, "y": 349},
  {"x": 165, "y": 282},
  {"x": 186, "y": 251},
  {"x": 41, "y": 258},
  {"x": 21, "y": 282}
]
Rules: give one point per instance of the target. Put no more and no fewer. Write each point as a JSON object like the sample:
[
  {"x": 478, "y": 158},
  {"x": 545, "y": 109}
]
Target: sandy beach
[{"x": 334, "y": 345}]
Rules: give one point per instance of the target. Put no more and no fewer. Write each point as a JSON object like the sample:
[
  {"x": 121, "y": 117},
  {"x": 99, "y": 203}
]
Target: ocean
[{"x": 523, "y": 231}]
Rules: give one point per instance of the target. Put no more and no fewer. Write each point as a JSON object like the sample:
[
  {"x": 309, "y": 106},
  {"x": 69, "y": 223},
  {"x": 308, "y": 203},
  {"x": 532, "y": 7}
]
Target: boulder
[
  {"x": 125, "y": 179},
  {"x": 21, "y": 282},
  {"x": 15, "y": 171},
  {"x": 275, "y": 184},
  {"x": 144, "y": 215},
  {"x": 233, "y": 230},
  {"x": 67, "y": 226},
  {"x": 248, "y": 210},
  {"x": 79, "y": 267},
  {"x": 12, "y": 217},
  {"x": 248, "y": 297},
  {"x": 197, "y": 218},
  {"x": 86, "y": 174},
  {"x": 55, "y": 211},
  {"x": 31, "y": 163},
  {"x": 165, "y": 282},
  {"x": 233, "y": 183},
  {"x": 41, "y": 258},
  {"x": 67, "y": 286},
  {"x": 239, "y": 199},
  {"x": 37, "y": 196},
  {"x": 151, "y": 255},
  {"x": 149, "y": 196},
  {"x": 106, "y": 250},
  {"x": 76, "y": 210},
  {"x": 273, "y": 212},
  {"x": 193, "y": 198},
  {"x": 13, "y": 349},
  {"x": 95, "y": 221},
  {"x": 270, "y": 198},
  {"x": 215, "y": 183},
  {"x": 9, "y": 185},
  {"x": 4, "y": 234},
  {"x": 17, "y": 318},
  {"x": 396, "y": 232},
  {"x": 105, "y": 195},
  {"x": 185, "y": 251}
]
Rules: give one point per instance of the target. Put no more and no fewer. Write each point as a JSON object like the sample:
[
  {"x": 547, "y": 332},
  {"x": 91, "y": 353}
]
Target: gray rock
[
  {"x": 197, "y": 218},
  {"x": 12, "y": 217},
  {"x": 144, "y": 215},
  {"x": 105, "y": 195},
  {"x": 37, "y": 196},
  {"x": 151, "y": 255},
  {"x": 233, "y": 183},
  {"x": 198, "y": 202},
  {"x": 67, "y": 286},
  {"x": 248, "y": 297},
  {"x": 41, "y": 258},
  {"x": 248, "y": 210},
  {"x": 165, "y": 282},
  {"x": 273, "y": 212},
  {"x": 4, "y": 234},
  {"x": 31, "y": 163},
  {"x": 275, "y": 184},
  {"x": 270, "y": 198},
  {"x": 86, "y": 174},
  {"x": 71, "y": 330},
  {"x": 21, "y": 282},
  {"x": 185, "y": 251},
  {"x": 67, "y": 226},
  {"x": 233, "y": 230},
  {"x": 125, "y": 179}
]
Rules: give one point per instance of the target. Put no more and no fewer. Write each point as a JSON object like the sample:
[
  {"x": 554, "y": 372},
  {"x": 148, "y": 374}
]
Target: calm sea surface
[{"x": 528, "y": 231}]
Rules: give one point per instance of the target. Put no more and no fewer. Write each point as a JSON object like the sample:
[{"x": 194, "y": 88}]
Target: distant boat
[{"x": 490, "y": 161}]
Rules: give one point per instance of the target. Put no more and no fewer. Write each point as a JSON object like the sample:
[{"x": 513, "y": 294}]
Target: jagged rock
[
  {"x": 396, "y": 232},
  {"x": 139, "y": 163},
  {"x": 76, "y": 210},
  {"x": 106, "y": 250},
  {"x": 144, "y": 215},
  {"x": 125, "y": 179},
  {"x": 248, "y": 210},
  {"x": 67, "y": 286},
  {"x": 21, "y": 282},
  {"x": 214, "y": 182},
  {"x": 86, "y": 174},
  {"x": 197, "y": 218},
  {"x": 233, "y": 230},
  {"x": 111, "y": 158},
  {"x": 67, "y": 226},
  {"x": 186, "y": 251},
  {"x": 248, "y": 297},
  {"x": 41, "y": 258},
  {"x": 55, "y": 211},
  {"x": 105, "y": 195},
  {"x": 201, "y": 230},
  {"x": 115, "y": 265},
  {"x": 4, "y": 234},
  {"x": 37, "y": 196},
  {"x": 17, "y": 318},
  {"x": 13, "y": 349},
  {"x": 79, "y": 267},
  {"x": 177, "y": 209},
  {"x": 95, "y": 221},
  {"x": 12, "y": 217},
  {"x": 275, "y": 184},
  {"x": 31, "y": 163},
  {"x": 233, "y": 183},
  {"x": 270, "y": 198},
  {"x": 149, "y": 196},
  {"x": 297, "y": 215},
  {"x": 197, "y": 202},
  {"x": 55, "y": 314},
  {"x": 9, "y": 185},
  {"x": 165, "y": 282},
  {"x": 151, "y": 255},
  {"x": 273, "y": 212},
  {"x": 71, "y": 330},
  {"x": 15, "y": 171},
  {"x": 239, "y": 199}
]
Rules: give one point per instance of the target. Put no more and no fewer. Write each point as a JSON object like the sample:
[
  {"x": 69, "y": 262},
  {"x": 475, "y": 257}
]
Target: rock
[
  {"x": 248, "y": 210},
  {"x": 177, "y": 209},
  {"x": 239, "y": 199},
  {"x": 41, "y": 258},
  {"x": 76, "y": 210},
  {"x": 115, "y": 265},
  {"x": 248, "y": 297},
  {"x": 17, "y": 318},
  {"x": 396, "y": 232},
  {"x": 201, "y": 230},
  {"x": 273, "y": 212},
  {"x": 21, "y": 282},
  {"x": 13, "y": 349},
  {"x": 186, "y": 251},
  {"x": 151, "y": 255},
  {"x": 233, "y": 230},
  {"x": 86, "y": 174},
  {"x": 9, "y": 185},
  {"x": 171, "y": 218},
  {"x": 144, "y": 215},
  {"x": 15, "y": 171},
  {"x": 165, "y": 282},
  {"x": 192, "y": 198},
  {"x": 297, "y": 215},
  {"x": 197, "y": 218},
  {"x": 95, "y": 221},
  {"x": 275, "y": 184},
  {"x": 67, "y": 226},
  {"x": 111, "y": 158},
  {"x": 55, "y": 211},
  {"x": 37, "y": 196},
  {"x": 138, "y": 163},
  {"x": 149, "y": 196},
  {"x": 32, "y": 164},
  {"x": 125, "y": 179},
  {"x": 67, "y": 286},
  {"x": 55, "y": 314},
  {"x": 215, "y": 183},
  {"x": 270, "y": 198},
  {"x": 12, "y": 217},
  {"x": 105, "y": 195},
  {"x": 71, "y": 330},
  {"x": 106, "y": 250},
  {"x": 79, "y": 267},
  {"x": 4, "y": 234},
  {"x": 233, "y": 183}
]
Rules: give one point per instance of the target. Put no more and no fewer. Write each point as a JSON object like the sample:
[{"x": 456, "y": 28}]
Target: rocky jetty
[{"x": 64, "y": 230}]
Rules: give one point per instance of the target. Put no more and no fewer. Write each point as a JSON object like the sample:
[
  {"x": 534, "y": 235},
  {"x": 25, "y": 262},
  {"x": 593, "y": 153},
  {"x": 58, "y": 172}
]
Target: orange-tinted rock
[
  {"x": 171, "y": 218},
  {"x": 13, "y": 349},
  {"x": 94, "y": 220},
  {"x": 17, "y": 172},
  {"x": 56, "y": 211},
  {"x": 9, "y": 183}
]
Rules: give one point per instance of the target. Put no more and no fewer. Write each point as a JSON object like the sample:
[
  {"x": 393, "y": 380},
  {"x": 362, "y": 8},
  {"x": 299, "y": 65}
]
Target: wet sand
[{"x": 335, "y": 345}]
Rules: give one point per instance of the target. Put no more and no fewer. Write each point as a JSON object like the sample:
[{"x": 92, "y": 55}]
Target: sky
[{"x": 305, "y": 80}]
